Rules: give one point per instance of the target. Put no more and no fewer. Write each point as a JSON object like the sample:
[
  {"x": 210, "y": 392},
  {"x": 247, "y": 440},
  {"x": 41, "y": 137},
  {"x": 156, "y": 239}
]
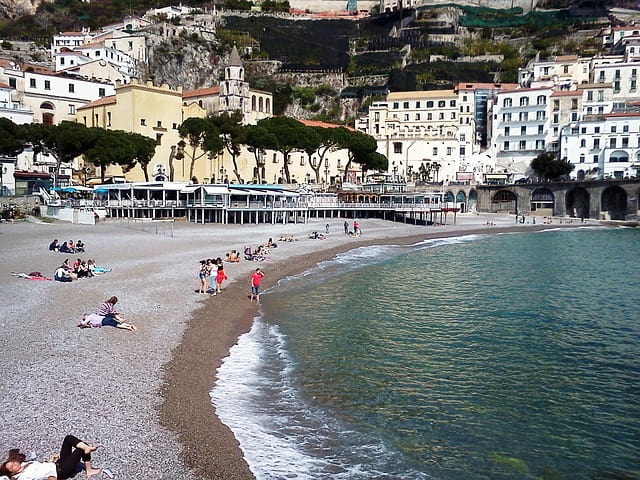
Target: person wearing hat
[{"x": 59, "y": 467}]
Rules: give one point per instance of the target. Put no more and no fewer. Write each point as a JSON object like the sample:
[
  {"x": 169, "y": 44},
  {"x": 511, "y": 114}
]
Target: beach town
[{"x": 143, "y": 396}]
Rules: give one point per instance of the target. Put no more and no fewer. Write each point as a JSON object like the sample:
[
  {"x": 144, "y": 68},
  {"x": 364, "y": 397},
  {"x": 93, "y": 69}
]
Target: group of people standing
[{"x": 211, "y": 276}]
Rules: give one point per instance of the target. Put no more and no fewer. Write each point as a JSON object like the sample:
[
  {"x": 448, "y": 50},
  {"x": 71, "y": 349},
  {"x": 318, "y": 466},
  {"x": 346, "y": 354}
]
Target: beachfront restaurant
[{"x": 203, "y": 203}]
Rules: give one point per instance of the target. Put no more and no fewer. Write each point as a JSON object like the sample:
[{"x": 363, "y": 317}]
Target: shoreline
[{"x": 209, "y": 446}]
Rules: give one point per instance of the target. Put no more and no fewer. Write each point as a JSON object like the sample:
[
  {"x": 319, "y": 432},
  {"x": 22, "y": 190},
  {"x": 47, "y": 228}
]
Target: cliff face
[
  {"x": 184, "y": 59},
  {"x": 17, "y": 8}
]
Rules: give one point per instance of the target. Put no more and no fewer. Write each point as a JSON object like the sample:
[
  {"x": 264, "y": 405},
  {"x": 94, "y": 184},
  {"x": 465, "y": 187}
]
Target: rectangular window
[
  {"x": 158, "y": 139},
  {"x": 590, "y": 96},
  {"x": 596, "y": 158},
  {"x": 523, "y": 130},
  {"x": 435, "y": 151},
  {"x": 574, "y": 103},
  {"x": 507, "y": 131},
  {"x": 376, "y": 116},
  {"x": 441, "y": 116},
  {"x": 302, "y": 160},
  {"x": 159, "y": 124},
  {"x": 12, "y": 82},
  {"x": 601, "y": 95},
  {"x": 574, "y": 116},
  {"x": 101, "y": 92},
  {"x": 72, "y": 88},
  {"x": 616, "y": 86},
  {"x": 540, "y": 129},
  {"x": 596, "y": 143},
  {"x": 32, "y": 82},
  {"x": 108, "y": 119},
  {"x": 417, "y": 116},
  {"x": 405, "y": 105},
  {"x": 540, "y": 115},
  {"x": 506, "y": 146},
  {"x": 417, "y": 104},
  {"x": 397, "y": 147},
  {"x": 396, "y": 105},
  {"x": 625, "y": 142},
  {"x": 72, "y": 109},
  {"x": 429, "y": 116},
  {"x": 556, "y": 105},
  {"x": 625, "y": 128},
  {"x": 449, "y": 150},
  {"x": 47, "y": 85},
  {"x": 463, "y": 137},
  {"x": 589, "y": 110},
  {"x": 463, "y": 150},
  {"x": 555, "y": 118},
  {"x": 406, "y": 117},
  {"x": 539, "y": 144},
  {"x": 612, "y": 143},
  {"x": 143, "y": 121},
  {"x": 523, "y": 145},
  {"x": 453, "y": 115},
  {"x": 583, "y": 143},
  {"x": 633, "y": 85}
]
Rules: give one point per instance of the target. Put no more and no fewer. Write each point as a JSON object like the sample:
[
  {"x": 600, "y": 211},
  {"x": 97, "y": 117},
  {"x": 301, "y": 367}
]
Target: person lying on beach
[
  {"x": 57, "y": 467},
  {"x": 95, "y": 270},
  {"x": 30, "y": 276},
  {"x": 108, "y": 310},
  {"x": 54, "y": 246},
  {"x": 94, "y": 320}
]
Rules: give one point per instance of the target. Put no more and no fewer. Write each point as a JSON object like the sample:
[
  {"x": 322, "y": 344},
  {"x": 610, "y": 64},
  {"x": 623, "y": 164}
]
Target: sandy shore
[{"x": 145, "y": 396}]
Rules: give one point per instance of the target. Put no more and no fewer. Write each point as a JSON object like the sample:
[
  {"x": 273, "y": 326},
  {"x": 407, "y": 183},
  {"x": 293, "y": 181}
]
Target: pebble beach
[{"x": 144, "y": 396}]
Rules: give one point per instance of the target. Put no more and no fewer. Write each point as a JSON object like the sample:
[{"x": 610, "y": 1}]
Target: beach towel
[{"x": 30, "y": 276}]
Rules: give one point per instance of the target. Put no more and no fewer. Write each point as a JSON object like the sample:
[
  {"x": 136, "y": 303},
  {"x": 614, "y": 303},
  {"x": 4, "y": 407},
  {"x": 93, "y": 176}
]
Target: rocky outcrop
[{"x": 17, "y": 8}]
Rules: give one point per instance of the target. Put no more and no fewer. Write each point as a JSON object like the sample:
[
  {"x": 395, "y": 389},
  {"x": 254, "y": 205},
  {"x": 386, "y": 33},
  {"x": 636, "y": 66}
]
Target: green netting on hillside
[{"x": 484, "y": 17}]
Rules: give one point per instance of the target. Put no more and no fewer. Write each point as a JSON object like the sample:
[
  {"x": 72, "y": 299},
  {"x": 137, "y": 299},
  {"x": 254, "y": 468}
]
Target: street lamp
[{"x": 326, "y": 171}]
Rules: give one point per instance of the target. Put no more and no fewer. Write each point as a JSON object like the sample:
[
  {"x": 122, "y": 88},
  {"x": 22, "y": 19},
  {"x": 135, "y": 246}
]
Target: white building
[
  {"x": 621, "y": 72},
  {"x": 562, "y": 72},
  {"x": 520, "y": 127},
  {"x": 603, "y": 146},
  {"x": 11, "y": 109},
  {"x": 423, "y": 134},
  {"x": 55, "y": 97},
  {"x": 69, "y": 40}
]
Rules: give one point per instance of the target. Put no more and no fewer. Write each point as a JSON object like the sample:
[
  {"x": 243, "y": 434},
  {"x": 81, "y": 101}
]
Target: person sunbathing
[
  {"x": 233, "y": 257},
  {"x": 96, "y": 320},
  {"x": 57, "y": 467}
]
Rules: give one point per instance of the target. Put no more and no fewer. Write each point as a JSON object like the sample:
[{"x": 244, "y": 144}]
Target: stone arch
[
  {"x": 613, "y": 202},
  {"x": 449, "y": 197},
  {"x": 542, "y": 202},
  {"x": 461, "y": 200},
  {"x": 504, "y": 201},
  {"x": 618, "y": 156},
  {"x": 577, "y": 202},
  {"x": 580, "y": 174}
]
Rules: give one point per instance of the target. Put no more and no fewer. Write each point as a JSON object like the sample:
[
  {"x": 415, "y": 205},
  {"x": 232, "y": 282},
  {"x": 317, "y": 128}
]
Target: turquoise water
[{"x": 483, "y": 357}]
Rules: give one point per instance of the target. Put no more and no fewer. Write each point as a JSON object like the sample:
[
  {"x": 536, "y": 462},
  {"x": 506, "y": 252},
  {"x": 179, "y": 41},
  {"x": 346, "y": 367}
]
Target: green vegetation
[
  {"x": 548, "y": 167},
  {"x": 273, "y": 6}
]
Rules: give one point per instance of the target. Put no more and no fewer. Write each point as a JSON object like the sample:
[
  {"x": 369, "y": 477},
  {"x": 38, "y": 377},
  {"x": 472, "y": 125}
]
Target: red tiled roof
[
  {"x": 474, "y": 86},
  {"x": 566, "y": 93},
  {"x": 622, "y": 114},
  {"x": 566, "y": 58},
  {"x": 201, "y": 92},
  {"x": 317, "y": 123},
  {"x": 109, "y": 100},
  {"x": 72, "y": 34}
]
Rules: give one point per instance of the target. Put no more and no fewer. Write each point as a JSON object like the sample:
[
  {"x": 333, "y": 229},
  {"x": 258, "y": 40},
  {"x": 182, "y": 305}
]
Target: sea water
[{"x": 479, "y": 357}]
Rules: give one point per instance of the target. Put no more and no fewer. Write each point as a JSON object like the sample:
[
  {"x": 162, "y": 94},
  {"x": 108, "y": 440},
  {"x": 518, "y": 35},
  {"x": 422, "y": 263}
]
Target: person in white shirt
[{"x": 59, "y": 467}]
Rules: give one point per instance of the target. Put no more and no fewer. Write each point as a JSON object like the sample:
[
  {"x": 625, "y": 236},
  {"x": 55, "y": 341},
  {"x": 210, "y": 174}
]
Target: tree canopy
[
  {"x": 548, "y": 167},
  {"x": 11, "y": 141}
]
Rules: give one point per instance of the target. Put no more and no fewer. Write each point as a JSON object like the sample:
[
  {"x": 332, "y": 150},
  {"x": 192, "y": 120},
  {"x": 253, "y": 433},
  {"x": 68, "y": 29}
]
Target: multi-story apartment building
[
  {"x": 603, "y": 146},
  {"x": 56, "y": 97},
  {"x": 11, "y": 109},
  {"x": 614, "y": 36},
  {"x": 562, "y": 72},
  {"x": 520, "y": 126},
  {"x": 422, "y": 130},
  {"x": 473, "y": 99},
  {"x": 69, "y": 40},
  {"x": 621, "y": 72}
]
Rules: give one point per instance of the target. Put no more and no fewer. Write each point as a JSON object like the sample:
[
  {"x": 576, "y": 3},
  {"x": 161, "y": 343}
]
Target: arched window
[
  {"x": 619, "y": 156},
  {"x": 200, "y": 103},
  {"x": 268, "y": 106},
  {"x": 253, "y": 103},
  {"x": 260, "y": 104}
]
